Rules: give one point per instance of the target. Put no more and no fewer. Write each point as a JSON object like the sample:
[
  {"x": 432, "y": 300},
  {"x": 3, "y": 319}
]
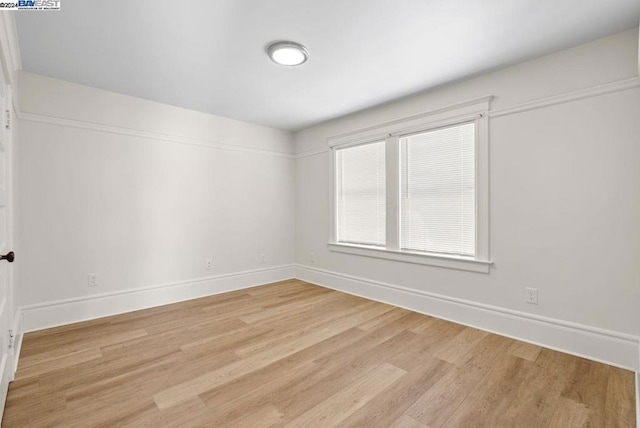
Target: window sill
[{"x": 449, "y": 262}]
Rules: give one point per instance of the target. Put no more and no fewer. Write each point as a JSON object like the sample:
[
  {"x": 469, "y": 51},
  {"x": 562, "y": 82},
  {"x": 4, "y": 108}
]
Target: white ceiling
[{"x": 209, "y": 55}]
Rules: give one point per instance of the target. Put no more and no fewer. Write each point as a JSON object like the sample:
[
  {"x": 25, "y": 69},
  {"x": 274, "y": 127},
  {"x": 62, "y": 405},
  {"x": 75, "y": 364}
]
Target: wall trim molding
[
  {"x": 549, "y": 101},
  {"x": 311, "y": 153},
  {"x": 40, "y": 316},
  {"x": 93, "y": 126},
  {"x": 566, "y": 97},
  {"x": 606, "y": 346},
  {"x": 480, "y": 104},
  {"x": 448, "y": 262}
]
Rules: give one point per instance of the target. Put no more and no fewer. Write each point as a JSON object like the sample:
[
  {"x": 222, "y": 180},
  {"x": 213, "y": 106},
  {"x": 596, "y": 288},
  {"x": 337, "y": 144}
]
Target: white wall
[
  {"x": 564, "y": 184},
  {"x": 142, "y": 193}
]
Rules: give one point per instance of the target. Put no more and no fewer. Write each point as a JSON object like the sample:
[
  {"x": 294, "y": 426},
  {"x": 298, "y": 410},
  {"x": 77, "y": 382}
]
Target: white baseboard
[
  {"x": 18, "y": 332},
  {"x": 610, "y": 347},
  {"x": 51, "y": 314},
  {"x": 5, "y": 379}
]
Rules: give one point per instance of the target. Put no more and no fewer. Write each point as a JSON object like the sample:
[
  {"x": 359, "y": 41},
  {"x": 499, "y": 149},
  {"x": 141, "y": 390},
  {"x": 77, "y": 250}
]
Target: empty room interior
[{"x": 305, "y": 213}]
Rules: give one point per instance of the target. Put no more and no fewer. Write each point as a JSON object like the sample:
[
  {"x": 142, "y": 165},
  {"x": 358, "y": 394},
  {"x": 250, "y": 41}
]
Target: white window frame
[{"x": 477, "y": 111}]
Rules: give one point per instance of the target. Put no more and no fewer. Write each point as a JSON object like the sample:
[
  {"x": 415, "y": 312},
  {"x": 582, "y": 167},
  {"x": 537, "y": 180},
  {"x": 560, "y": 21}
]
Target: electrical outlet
[
  {"x": 531, "y": 295},
  {"x": 209, "y": 264},
  {"x": 312, "y": 257},
  {"x": 92, "y": 279},
  {"x": 263, "y": 259},
  {"x": 12, "y": 338}
]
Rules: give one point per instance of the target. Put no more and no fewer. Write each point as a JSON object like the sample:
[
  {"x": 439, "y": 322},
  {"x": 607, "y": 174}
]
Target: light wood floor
[{"x": 296, "y": 355}]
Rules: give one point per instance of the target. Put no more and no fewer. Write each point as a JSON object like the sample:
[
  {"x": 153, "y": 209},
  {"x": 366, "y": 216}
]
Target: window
[
  {"x": 415, "y": 190},
  {"x": 360, "y": 177},
  {"x": 438, "y": 192}
]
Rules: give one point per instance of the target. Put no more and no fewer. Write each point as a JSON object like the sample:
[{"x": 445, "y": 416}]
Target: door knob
[{"x": 10, "y": 257}]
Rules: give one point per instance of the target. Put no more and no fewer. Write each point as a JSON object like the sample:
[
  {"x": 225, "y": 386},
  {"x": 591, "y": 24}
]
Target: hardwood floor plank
[
  {"x": 388, "y": 407},
  {"x": 437, "y": 333},
  {"x": 524, "y": 350},
  {"x": 283, "y": 336},
  {"x": 292, "y": 307},
  {"x": 388, "y": 341},
  {"x": 294, "y": 354},
  {"x": 229, "y": 407},
  {"x": 62, "y": 337},
  {"x": 430, "y": 324},
  {"x": 96, "y": 342},
  {"x": 244, "y": 389},
  {"x": 620, "y": 411},
  {"x": 103, "y": 414},
  {"x": 536, "y": 398},
  {"x": 339, "y": 369},
  {"x": 588, "y": 385},
  {"x": 109, "y": 367},
  {"x": 265, "y": 416},
  {"x": 229, "y": 341},
  {"x": 61, "y": 362},
  {"x": 149, "y": 379},
  {"x": 484, "y": 406},
  {"x": 383, "y": 319},
  {"x": 337, "y": 408},
  {"x": 244, "y": 386},
  {"x": 456, "y": 349},
  {"x": 407, "y": 422},
  {"x": 342, "y": 363},
  {"x": 36, "y": 408},
  {"x": 177, "y": 416},
  {"x": 440, "y": 402},
  {"x": 79, "y": 390},
  {"x": 335, "y": 306},
  {"x": 181, "y": 392},
  {"x": 570, "y": 414}
]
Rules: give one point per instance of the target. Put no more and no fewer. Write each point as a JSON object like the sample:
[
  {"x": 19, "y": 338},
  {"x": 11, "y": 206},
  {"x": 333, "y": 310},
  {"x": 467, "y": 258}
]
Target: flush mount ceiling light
[{"x": 288, "y": 53}]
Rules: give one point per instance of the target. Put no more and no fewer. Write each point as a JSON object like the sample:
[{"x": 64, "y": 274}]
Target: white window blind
[
  {"x": 438, "y": 191},
  {"x": 360, "y": 194}
]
